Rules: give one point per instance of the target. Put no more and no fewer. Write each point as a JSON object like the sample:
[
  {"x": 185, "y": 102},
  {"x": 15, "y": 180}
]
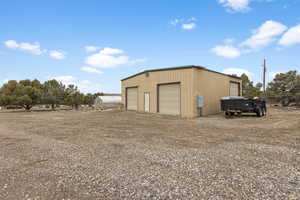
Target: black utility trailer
[{"x": 239, "y": 105}]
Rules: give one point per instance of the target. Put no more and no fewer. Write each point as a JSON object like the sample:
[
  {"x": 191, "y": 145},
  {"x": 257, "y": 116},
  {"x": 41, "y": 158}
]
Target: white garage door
[
  {"x": 132, "y": 98},
  {"x": 234, "y": 89},
  {"x": 169, "y": 99}
]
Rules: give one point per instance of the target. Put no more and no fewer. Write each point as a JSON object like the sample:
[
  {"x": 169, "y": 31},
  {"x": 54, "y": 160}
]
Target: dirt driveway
[{"x": 124, "y": 155}]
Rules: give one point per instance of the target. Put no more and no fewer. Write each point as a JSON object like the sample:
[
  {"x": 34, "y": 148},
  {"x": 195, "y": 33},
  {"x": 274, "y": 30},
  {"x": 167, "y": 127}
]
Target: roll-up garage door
[
  {"x": 169, "y": 99},
  {"x": 234, "y": 89},
  {"x": 132, "y": 98}
]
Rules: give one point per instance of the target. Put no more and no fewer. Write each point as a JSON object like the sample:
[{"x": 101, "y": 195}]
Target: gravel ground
[{"x": 125, "y": 155}]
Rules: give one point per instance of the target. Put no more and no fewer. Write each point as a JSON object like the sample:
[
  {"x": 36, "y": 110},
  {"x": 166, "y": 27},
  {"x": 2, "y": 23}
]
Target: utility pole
[{"x": 264, "y": 75}]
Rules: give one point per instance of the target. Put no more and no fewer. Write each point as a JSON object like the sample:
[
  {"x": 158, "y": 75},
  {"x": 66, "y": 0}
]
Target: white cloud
[
  {"x": 268, "y": 33},
  {"x": 109, "y": 57},
  {"x": 67, "y": 80},
  {"x": 34, "y": 48},
  {"x": 189, "y": 26},
  {"x": 91, "y": 48},
  {"x": 261, "y": 37},
  {"x": 11, "y": 44},
  {"x": 264, "y": 35},
  {"x": 84, "y": 86},
  {"x": 174, "y": 22},
  {"x": 238, "y": 5},
  {"x": 106, "y": 61},
  {"x": 185, "y": 24},
  {"x": 111, "y": 51},
  {"x": 237, "y": 71},
  {"x": 291, "y": 37},
  {"x": 90, "y": 70},
  {"x": 274, "y": 73},
  {"x": 87, "y": 86},
  {"x": 25, "y": 46},
  {"x": 57, "y": 54},
  {"x": 227, "y": 51}
]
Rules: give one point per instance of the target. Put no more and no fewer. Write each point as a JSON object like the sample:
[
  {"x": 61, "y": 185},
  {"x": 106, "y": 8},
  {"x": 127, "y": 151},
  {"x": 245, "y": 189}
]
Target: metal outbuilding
[{"x": 187, "y": 91}]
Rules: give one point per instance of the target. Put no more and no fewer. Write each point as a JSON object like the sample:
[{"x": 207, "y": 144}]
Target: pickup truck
[{"x": 238, "y": 105}]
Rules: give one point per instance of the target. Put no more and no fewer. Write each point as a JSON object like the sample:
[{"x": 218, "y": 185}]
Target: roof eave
[{"x": 178, "y": 68}]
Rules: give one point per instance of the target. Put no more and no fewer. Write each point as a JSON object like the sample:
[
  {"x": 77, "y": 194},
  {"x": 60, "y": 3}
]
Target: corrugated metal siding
[
  {"x": 193, "y": 82},
  {"x": 213, "y": 87},
  {"x": 150, "y": 84}
]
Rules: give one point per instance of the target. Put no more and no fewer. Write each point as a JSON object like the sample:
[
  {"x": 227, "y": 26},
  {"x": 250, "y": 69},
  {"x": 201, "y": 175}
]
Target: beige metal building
[{"x": 188, "y": 91}]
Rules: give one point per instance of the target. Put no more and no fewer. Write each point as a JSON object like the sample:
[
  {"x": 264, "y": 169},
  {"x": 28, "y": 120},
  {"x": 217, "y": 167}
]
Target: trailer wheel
[
  {"x": 226, "y": 115},
  {"x": 229, "y": 114},
  {"x": 259, "y": 112}
]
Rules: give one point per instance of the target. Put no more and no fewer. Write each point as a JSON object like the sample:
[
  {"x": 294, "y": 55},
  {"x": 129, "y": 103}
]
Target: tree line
[
  {"x": 284, "y": 88},
  {"x": 27, "y": 93}
]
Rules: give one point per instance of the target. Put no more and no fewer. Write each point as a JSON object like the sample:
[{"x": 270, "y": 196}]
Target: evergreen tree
[
  {"x": 285, "y": 87},
  {"x": 24, "y": 93},
  {"x": 249, "y": 90},
  {"x": 53, "y": 93}
]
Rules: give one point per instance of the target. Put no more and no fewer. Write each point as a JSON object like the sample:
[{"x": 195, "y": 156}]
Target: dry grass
[{"x": 117, "y": 155}]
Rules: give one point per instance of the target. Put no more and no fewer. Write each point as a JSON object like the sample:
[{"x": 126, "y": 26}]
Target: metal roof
[{"x": 177, "y": 68}]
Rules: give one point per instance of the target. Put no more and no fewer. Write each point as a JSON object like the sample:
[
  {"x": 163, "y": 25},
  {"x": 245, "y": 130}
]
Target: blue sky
[{"x": 94, "y": 44}]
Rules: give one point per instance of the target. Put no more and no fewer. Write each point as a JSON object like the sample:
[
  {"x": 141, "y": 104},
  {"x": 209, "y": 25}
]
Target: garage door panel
[
  {"x": 169, "y": 99},
  {"x": 132, "y": 98},
  {"x": 234, "y": 89}
]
